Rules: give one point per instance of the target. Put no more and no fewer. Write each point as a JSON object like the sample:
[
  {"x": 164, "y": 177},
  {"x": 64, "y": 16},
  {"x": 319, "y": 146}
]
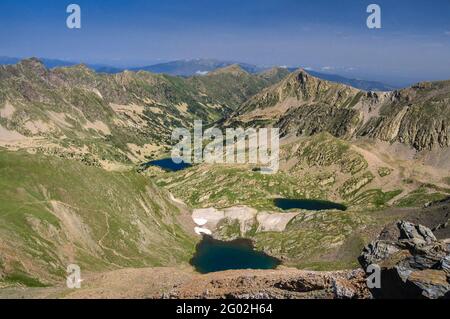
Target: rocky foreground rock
[
  {"x": 174, "y": 283},
  {"x": 413, "y": 263},
  {"x": 278, "y": 284}
]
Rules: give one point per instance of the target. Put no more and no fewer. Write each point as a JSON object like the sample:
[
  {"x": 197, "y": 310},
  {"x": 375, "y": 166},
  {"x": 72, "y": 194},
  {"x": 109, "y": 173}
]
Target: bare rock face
[
  {"x": 304, "y": 105},
  {"x": 417, "y": 233},
  {"x": 445, "y": 264},
  {"x": 280, "y": 284},
  {"x": 414, "y": 264}
]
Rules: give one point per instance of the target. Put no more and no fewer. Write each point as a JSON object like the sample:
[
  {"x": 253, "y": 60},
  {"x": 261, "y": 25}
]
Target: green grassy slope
[
  {"x": 54, "y": 212},
  {"x": 319, "y": 167}
]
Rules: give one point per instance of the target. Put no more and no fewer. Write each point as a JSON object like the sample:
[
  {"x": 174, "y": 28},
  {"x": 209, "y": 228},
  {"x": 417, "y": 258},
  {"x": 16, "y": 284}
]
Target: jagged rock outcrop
[
  {"x": 179, "y": 282},
  {"x": 418, "y": 116},
  {"x": 278, "y": 284},
  {"x": 301, "y": 104},
  {"x": 414, "y": 264}
]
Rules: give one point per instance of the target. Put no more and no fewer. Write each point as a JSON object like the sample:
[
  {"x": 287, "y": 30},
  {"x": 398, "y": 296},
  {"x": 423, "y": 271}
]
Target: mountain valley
[{"x": 73, "y": 189}]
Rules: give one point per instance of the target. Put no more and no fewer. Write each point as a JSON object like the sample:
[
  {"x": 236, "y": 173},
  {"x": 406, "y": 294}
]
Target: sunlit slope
[
  {"x": 303, "y": 105},
  {"x": 317, "y": 167},
  {"x": 123, "y": 118},
  {"x": 54, "y": 212},
  {"x": 375, "y": 184}
]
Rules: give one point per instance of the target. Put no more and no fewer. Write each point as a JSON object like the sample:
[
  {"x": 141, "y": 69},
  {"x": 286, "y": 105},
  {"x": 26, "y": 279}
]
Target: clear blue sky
[{"x": 413, "y": 44}]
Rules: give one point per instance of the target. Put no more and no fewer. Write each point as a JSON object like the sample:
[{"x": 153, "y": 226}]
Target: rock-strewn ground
[
  {"x": 185, "y": 283},
  {"x": 413, "y": 263}
]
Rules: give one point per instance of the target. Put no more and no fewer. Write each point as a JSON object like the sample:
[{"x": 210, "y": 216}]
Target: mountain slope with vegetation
[
  {"x": 232, "y": 85},
  {"x": 375, "y": 185},
  {"x": 303, "y": 105},
  {"x": 55, "y": 212},
  {"x": 107, "y": 119}
]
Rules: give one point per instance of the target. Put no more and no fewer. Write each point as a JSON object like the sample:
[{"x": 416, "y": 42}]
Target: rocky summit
[
  {"x": 305, "y": 105},
  {"x": 414, "y": 264}
]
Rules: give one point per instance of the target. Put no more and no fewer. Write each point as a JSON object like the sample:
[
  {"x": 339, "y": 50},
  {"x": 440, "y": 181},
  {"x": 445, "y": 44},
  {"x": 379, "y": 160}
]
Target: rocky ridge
[
  {"x": 76, "y": 113},
  {"x": 301, "y": 104},
  {"x": 414, "y": 264}
]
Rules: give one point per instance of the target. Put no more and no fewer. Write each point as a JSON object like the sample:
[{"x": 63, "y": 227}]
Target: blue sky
[{"x": 413, "y": 44}]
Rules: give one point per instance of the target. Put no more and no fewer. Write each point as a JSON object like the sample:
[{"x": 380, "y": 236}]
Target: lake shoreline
[{"x": 213, "y": 255}]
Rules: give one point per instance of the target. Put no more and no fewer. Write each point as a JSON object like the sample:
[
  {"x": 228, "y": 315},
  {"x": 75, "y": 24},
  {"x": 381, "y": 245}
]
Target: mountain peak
[
  {"x": 274, "y": 70},
  {"x": 31, "y": 67},
  {"x": 32, "y": 63},
  {"x": 233, "y": 69},
  {"x": 302, "y": 77},
  {"x": 80, "y": 67},
  {"x": 275, "y": 74},
  {"x": 301, "y": 71}
]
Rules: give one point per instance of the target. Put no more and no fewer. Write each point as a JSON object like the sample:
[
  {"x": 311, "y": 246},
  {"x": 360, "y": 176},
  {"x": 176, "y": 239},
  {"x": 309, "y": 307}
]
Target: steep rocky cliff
[
  {"x": 301, "y": 104},
  {"x": 413, "y": 263}
]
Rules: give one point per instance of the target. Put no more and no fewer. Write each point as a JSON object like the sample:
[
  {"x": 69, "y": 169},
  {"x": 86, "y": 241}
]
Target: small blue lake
[
  {"x": 215, "y": 255},
  {"x": 307, "y": 204},
  {"x": 168, "y": 164}
]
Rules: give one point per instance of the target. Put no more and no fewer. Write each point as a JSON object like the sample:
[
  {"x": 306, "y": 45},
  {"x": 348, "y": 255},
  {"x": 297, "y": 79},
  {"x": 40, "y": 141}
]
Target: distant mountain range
[
  {"x": 202, "y": 66},
  {"x": 195, "y": 67},
  {"x": 56, "y": 63},
  {"x": 187, "y": 68}
]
